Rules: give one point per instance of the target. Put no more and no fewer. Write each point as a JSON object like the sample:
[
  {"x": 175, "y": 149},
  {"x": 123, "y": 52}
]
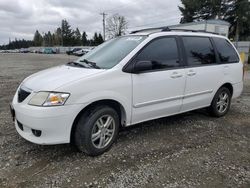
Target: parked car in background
[
  {"x": 24, "y": 50},
  {"x": 125, "y": 81},
  {"x": 71, "y": 51},
  {"x": 82, "y": 51},
  {"x": 35, "y": 51},
  {"x": 48, "y": 51}
]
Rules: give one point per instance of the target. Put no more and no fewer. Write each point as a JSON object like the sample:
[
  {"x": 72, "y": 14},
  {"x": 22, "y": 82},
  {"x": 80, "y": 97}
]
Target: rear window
[
  {"x": 227, "y": 53},
  {"x": 199, "y": 51}
]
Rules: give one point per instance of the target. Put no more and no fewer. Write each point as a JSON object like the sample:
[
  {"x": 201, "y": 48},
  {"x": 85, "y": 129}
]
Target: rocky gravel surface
[{"x": 187, "y": 150}]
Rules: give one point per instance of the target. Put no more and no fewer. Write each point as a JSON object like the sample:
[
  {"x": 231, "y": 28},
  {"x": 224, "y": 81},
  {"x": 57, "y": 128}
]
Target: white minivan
[{"x": 127, "y": 80}]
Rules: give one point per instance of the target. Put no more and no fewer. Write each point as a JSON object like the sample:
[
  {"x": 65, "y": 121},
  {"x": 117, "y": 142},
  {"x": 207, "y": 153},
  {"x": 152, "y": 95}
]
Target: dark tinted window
[
  {"x": 199, "y": 50},
  {"x": 162, "y": 52},
  {"x": 227, "y": 54}
]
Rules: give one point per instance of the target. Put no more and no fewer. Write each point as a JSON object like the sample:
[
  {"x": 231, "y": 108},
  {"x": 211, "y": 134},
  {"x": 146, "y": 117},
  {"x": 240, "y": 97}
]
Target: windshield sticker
[{"x": 134, "y": 38}]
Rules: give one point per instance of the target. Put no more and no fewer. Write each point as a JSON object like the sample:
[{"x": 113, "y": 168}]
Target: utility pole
[{"x": 103, "y": 22}]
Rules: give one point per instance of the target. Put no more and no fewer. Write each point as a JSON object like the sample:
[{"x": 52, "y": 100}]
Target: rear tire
[
  {"x": 96, "y": 130},
  {"x": 221, "y": 102}
]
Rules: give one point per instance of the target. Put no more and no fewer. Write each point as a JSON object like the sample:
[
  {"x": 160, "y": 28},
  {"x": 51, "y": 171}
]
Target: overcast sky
[{"x": 21, "y": 18}]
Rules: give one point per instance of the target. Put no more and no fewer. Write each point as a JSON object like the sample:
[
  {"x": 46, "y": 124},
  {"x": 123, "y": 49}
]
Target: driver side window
[{"x": 162, "y": 53}]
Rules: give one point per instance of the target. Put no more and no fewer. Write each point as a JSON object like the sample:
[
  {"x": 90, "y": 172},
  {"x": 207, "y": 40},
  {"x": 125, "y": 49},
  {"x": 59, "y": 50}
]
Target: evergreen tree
[
  {"x": 63, "y": 35},
  {"x": 38, "y": 39},
  {"x": 17, "y": 44},
  {"x": 54, "y": 40},
  {"x": 95, "y": 39},
  {"x": 67, "y": 34},
  {"x": 77, "y": 37},
  {"x": 45, "y": 40},
  {"x": 239, "y": 18},
  {"x": 84, "y": 39},
  {"x": 49, "y": 39},
  {"x": 58, "y": 37},
  {"x": 100, "y": 39},
  {"x": 236, "y": 12}
]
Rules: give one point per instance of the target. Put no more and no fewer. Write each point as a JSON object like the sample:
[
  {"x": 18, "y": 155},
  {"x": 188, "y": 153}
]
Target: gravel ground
[{"x": 187, "y": 150}]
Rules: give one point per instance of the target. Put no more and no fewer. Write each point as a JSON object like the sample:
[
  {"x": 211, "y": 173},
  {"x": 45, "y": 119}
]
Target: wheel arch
[
  {"x": 108, "y": 102},
  {"x": 228, "y": 86}
]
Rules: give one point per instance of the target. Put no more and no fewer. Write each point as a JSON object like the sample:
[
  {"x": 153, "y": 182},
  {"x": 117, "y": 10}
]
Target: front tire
[
  {"x": 96, "y": 130},
  {"x": 221, "y": 102}
]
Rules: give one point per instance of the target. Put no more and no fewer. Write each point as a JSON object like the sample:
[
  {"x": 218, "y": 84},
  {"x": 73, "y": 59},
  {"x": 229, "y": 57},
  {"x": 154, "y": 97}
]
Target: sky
[{"x": 21, "y": 18}]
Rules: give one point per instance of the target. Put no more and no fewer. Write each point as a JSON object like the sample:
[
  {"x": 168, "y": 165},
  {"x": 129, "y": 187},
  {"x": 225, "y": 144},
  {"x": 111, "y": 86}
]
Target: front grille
[{"x": 22, "y": 95}]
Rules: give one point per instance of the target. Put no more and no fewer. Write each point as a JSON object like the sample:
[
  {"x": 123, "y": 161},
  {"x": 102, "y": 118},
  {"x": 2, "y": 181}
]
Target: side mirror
[{"x": 141, "y": 66}]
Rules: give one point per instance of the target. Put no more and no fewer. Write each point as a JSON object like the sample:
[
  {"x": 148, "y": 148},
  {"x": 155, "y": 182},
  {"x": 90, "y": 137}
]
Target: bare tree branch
[{"x": 116, "y": 26}]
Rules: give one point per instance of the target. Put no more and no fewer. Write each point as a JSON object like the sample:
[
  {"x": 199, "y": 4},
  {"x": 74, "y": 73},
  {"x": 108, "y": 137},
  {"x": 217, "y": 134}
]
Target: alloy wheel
[{"x": 103, "y": 131}]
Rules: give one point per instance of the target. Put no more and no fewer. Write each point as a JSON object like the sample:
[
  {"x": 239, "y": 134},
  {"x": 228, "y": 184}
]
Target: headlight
[{"x": 49, "y": 99}]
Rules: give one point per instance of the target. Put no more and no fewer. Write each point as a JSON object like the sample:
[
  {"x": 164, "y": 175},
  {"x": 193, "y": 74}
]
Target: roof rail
[
  {"x": 149, "y": 29},
  {"x": 191, "y": 30},
  {"x": 167, "y": 29}
]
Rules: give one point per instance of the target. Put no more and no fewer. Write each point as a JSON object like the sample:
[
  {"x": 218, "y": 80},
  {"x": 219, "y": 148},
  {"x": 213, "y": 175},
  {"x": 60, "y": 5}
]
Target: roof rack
[
  {"x": 149, "y": 29},
  {"x": 164, "y": 29}
]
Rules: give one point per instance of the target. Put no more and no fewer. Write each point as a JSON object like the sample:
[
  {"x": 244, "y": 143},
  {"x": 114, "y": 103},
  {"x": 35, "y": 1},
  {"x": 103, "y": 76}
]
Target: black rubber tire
[
  {"x": 83, "y": 130},
  {"x": 213, "y": 109}
]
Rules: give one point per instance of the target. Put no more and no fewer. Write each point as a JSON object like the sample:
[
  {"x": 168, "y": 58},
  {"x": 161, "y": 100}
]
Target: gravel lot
[{"x": 188, "y": 150}]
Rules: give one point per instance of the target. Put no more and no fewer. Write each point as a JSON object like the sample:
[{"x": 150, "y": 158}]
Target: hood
[{"x": 50, "y": 79}]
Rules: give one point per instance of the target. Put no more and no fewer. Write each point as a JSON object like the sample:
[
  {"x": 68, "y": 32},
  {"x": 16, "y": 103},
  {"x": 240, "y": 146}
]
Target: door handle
[
  {"x": 191, "y": 73},
  {"x": 176, "y": 75}
]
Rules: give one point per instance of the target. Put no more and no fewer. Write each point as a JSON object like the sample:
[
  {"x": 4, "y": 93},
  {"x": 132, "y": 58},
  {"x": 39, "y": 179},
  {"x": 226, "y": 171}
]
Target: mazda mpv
[{"x": 142, "y": 76}]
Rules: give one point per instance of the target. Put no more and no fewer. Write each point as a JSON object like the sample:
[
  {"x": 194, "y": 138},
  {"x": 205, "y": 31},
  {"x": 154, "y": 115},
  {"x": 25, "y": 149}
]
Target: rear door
[
  {"x": 229, "y": 59},
  {"x": 158, "y": 92},
  {"x": 203, "y": 73}
]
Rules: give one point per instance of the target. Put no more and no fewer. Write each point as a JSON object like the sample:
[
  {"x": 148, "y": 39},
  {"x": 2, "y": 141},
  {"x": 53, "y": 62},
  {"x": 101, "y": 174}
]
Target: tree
[
  {"x": 16, "y": 44},
  {"x": 67, "y": 34},
  {"x": 116, "y": 26},
  {"x": 63, "y": 35},
  {"x": 95, "y": 39},
  {"x": 236, "y": 12},
  {"x": 77, "y": 37},
  {"x": 239, "y": 18},
  {"x": 45, "y": 39},
  {"x": 58, "y": 37},
  {"x": 54, "y": 40},
  {"x": 38, "y": 39},
  {"x": 100, "y": 39},
  {"x": 196, "y": 10},
  {"x": 84, "y": 39},
  {"x": 49, "y": 39}
]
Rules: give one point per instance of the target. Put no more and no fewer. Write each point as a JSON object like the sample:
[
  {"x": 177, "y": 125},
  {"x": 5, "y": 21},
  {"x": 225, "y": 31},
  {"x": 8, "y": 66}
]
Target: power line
[
  {"x": 158, "y": 15},
  {"x": 103, "y": 23},
  {"x": 153, "y": 23}
]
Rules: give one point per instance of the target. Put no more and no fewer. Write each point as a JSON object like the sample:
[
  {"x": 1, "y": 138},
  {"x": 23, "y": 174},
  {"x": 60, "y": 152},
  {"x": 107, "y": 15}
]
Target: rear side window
[
  {"x": 199, "y": 51},
  {"x": 162, "y": 52},
  {"x": 227, "y": 53}
]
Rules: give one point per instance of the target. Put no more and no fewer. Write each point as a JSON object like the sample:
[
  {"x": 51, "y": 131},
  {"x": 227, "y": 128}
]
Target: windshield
[{"x": 110, "y": 53}]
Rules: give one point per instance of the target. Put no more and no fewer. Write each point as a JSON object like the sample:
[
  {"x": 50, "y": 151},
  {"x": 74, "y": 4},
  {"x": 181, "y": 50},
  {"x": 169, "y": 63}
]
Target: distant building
[{"x": 216, "y": 26}]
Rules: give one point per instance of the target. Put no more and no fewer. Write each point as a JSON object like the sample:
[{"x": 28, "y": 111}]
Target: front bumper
[{"x": 55, "y": 123}]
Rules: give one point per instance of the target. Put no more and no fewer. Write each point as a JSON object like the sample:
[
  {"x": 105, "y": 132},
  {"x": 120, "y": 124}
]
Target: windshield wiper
[
  {"x": 72, "y": 63},
  {"x": 92, "y": 64}
]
